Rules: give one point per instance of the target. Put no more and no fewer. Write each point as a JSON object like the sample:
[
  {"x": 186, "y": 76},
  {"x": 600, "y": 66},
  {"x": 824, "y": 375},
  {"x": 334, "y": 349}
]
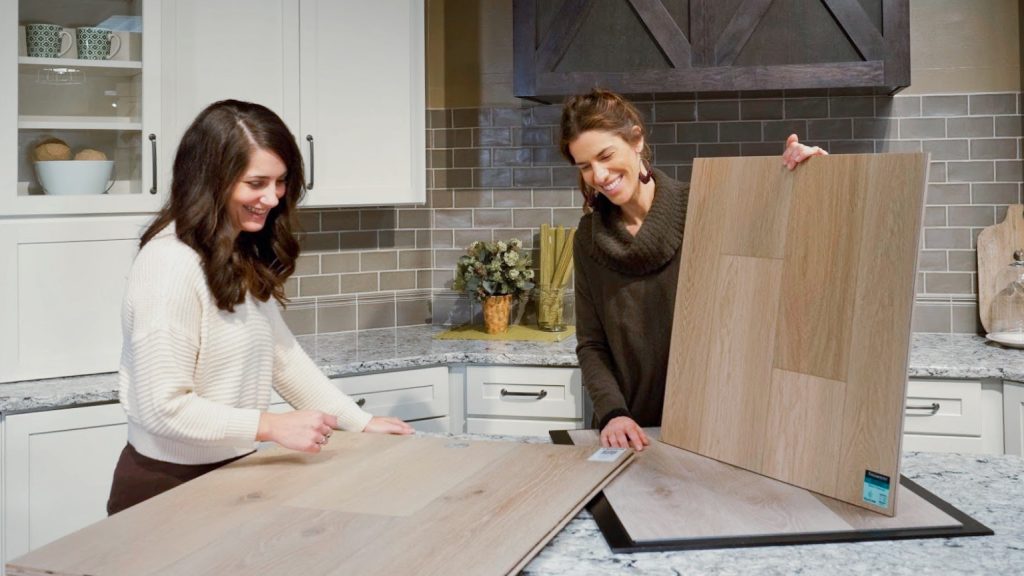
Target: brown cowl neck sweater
[{"x": 625, "y": 298}]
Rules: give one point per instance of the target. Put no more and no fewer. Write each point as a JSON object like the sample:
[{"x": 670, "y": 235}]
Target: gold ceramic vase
[{"x": 497, "y": 310}]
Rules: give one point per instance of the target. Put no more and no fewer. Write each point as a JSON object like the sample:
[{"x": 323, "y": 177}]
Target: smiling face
[
  {"x": 608, "y": 164},
  {"x": 258, "y": 191}
]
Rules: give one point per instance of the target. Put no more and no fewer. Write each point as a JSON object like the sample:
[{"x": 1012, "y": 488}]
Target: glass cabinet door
[{"x": 87, "y": 107}]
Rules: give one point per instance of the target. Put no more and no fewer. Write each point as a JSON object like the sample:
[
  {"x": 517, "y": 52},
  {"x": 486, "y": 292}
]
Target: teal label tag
[{"x": 876, "y": 489}]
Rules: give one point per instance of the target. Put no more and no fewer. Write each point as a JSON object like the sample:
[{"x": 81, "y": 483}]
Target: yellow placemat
[{"x": 515, "y": 332}]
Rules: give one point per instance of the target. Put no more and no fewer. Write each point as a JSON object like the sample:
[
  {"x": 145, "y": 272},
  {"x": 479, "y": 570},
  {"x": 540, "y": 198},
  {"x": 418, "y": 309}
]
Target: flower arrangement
[{"x": 494, "y": 269}]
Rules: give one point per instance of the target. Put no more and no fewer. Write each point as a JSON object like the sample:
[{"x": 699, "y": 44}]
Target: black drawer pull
[
  {"x": 361, "y": 402},
  {"x": 931, "y": 408},
  {"x": 538, "y": 395}
]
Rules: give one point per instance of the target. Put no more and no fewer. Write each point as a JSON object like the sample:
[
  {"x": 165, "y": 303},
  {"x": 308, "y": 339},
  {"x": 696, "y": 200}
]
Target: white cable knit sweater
[{"x": 193, "y": 378}]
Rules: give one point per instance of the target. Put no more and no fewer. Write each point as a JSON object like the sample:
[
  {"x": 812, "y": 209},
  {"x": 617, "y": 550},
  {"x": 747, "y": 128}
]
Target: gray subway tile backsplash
[
  {"x": 496, "y": 172},
  {"x": 944, "y": 105},
  {"x": 969, "y": 127},
  {"x": 994, "y": 149},
  {"x": 993, "y": 103}
]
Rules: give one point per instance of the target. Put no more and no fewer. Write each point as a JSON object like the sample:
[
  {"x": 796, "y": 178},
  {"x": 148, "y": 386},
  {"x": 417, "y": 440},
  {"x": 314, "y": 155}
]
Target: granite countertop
[
  {"x": 341, "y": 354},
  {"x": 988, "y": 488}
]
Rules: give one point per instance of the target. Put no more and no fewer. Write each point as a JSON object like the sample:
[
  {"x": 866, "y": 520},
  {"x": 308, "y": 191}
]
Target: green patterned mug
[
  {"x": 95, "y": 43},
  {"x": 46, "y": 40}
]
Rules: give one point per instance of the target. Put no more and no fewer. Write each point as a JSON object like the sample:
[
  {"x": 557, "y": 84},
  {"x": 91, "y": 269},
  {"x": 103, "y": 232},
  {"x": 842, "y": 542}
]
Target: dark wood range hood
[{"x": 687, "y": 46}]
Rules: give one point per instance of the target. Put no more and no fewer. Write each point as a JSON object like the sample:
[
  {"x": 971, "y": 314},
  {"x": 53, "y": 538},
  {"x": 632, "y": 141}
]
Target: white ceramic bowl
[{"x": 67, "y": 177}]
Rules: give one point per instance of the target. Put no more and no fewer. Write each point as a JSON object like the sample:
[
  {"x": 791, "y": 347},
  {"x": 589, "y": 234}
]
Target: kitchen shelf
[
  {"x": 77, "y": 123},
  {"x": 100, "y": 67}
]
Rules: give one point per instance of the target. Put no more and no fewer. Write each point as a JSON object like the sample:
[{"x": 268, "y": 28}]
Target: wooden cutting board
[
  {"x": 996, "y": 245},
  {"x": 792, "y": 320},
  {"x": 367, "y": 504}
]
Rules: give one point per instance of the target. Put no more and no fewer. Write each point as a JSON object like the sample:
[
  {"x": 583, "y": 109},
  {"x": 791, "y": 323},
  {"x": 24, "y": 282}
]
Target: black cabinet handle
[
  {"x": 538, "y": 395},
  {"x": 312, "y": 167},
  {"x": 932, "y": 408},
  {"x": 361, "y": 402},
  {"x": 152, "y": 148}
]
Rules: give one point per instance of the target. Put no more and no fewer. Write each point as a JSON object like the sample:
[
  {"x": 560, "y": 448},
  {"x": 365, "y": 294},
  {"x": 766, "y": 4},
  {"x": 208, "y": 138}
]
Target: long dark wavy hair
[
  {"x": 212, "y": 156},
  {"x": 600, "y": 110}
]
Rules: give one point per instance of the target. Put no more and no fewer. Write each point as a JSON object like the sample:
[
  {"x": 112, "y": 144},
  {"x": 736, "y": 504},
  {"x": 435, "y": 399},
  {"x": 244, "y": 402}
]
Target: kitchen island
[{"x": 989, "y": 488}]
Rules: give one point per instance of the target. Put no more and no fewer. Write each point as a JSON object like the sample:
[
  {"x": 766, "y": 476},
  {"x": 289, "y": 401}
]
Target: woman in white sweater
[{"x": 204, "y": 341}]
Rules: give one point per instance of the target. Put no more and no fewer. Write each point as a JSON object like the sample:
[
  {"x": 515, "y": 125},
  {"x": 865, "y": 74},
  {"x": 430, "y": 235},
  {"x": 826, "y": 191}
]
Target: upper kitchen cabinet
[
  {"x": 347, "y": 77},
  {"x": 673, "y": 46},
  {"x": 86, "y": 74},
  {"x": 240, "y": 49}
]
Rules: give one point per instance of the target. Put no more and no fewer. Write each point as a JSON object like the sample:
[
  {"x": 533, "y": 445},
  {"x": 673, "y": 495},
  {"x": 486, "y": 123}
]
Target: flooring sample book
[
  {"x": 792, "y": 319},
  {"x": 674, "y": 499},
  {"x": 368, "y": 504}
]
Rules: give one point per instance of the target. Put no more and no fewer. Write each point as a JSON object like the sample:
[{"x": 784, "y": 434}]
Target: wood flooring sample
[
  {"x": 367, "y": 504},
  {"x": 792, "y": 319},
  {"x": 668, "y": 494}
]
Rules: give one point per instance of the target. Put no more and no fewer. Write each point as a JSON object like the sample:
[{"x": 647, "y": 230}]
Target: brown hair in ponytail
[{"x": 605, "y": 111}]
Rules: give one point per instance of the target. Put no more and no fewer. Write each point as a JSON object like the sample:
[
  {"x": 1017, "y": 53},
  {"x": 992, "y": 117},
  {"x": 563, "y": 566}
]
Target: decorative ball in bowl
[{"x": 74, "y": 177}]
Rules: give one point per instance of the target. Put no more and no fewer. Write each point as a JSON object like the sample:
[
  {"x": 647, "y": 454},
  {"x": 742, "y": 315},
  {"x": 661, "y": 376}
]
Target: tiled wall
[{"x": 495, "y": 173}]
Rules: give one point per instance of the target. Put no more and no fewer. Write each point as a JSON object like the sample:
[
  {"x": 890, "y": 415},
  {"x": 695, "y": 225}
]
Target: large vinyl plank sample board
[
  {"x": 792, "y": 320},
  {"x": 367, "y": 504},
  {"x": 674, "y": 499}
]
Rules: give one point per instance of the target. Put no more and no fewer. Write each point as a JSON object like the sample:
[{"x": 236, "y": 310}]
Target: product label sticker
[
  {"x": 876, "y": 489},
  {"x": 606, "y": 455}
]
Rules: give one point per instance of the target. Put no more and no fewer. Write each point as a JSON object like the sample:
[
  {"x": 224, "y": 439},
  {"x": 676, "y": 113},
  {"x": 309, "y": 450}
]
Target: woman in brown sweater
[{"x": 627, "y": 251}]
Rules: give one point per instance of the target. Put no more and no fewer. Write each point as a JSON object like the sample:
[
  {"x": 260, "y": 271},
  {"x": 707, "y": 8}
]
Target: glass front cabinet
[{"x": 80, "y": 107}]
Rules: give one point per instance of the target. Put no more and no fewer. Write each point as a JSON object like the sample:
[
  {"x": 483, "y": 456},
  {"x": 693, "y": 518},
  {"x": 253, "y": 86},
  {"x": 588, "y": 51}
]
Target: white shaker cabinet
[
  {"x": 107, "y": 105},
  {"x": 964, "y": 416},
  {"x": 363, "y": 101},
  {"x": 523, "y": 400},
  {"x": 58, "y": 466},
  {"x": 1013, "y": 417},
  {"x": 419, "y": 396},
  {"x": 347, "y": 77},
  {"x": 61, "y": 285},
  {"x": 237, "y": 49}
]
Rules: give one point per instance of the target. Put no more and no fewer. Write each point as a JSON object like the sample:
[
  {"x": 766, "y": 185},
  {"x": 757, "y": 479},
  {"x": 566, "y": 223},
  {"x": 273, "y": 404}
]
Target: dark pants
[{"x": 138, "y": 478}]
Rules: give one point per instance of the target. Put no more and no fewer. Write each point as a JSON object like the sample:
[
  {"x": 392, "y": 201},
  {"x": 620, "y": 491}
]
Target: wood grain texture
[
  {"x": 744, "y": 327},
  {"x": 823, "y": 234},
  {"x": 996, "y": 244},
  {"x": 798, "y": 406},
  {"x": 674, "y": 494},
  {"x": 876, "y": 383},
  {"x": 828, "y": 407},
  {"x": 487, "y": 509}
]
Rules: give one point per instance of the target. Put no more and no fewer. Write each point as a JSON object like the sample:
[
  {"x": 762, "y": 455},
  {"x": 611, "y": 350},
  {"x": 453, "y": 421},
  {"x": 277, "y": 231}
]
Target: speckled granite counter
[
  {"x": 990, "y": 489},
  {"x": 932, "y": 355}
]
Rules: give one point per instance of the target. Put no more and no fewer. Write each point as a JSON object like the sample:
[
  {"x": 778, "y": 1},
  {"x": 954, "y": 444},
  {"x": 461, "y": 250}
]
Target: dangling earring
[{"x": 645, "y": 178}]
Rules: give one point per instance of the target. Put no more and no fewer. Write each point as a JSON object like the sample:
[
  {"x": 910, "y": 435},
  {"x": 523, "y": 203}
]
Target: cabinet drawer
[
  {"x": 408, "y": 394},
  {"x": 944, "y": 408},
  {"x": 524, "y": 392},
  {"x": 510, "y": 427}
]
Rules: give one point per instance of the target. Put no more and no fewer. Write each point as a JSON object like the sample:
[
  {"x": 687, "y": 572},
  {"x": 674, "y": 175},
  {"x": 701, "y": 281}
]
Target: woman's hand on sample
[
  {"x": 623, "y": 431},
  {"x": 796, "y": 152},
  {"x": 387, "y": 425},
  {"x": 303, "y": 430}
]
